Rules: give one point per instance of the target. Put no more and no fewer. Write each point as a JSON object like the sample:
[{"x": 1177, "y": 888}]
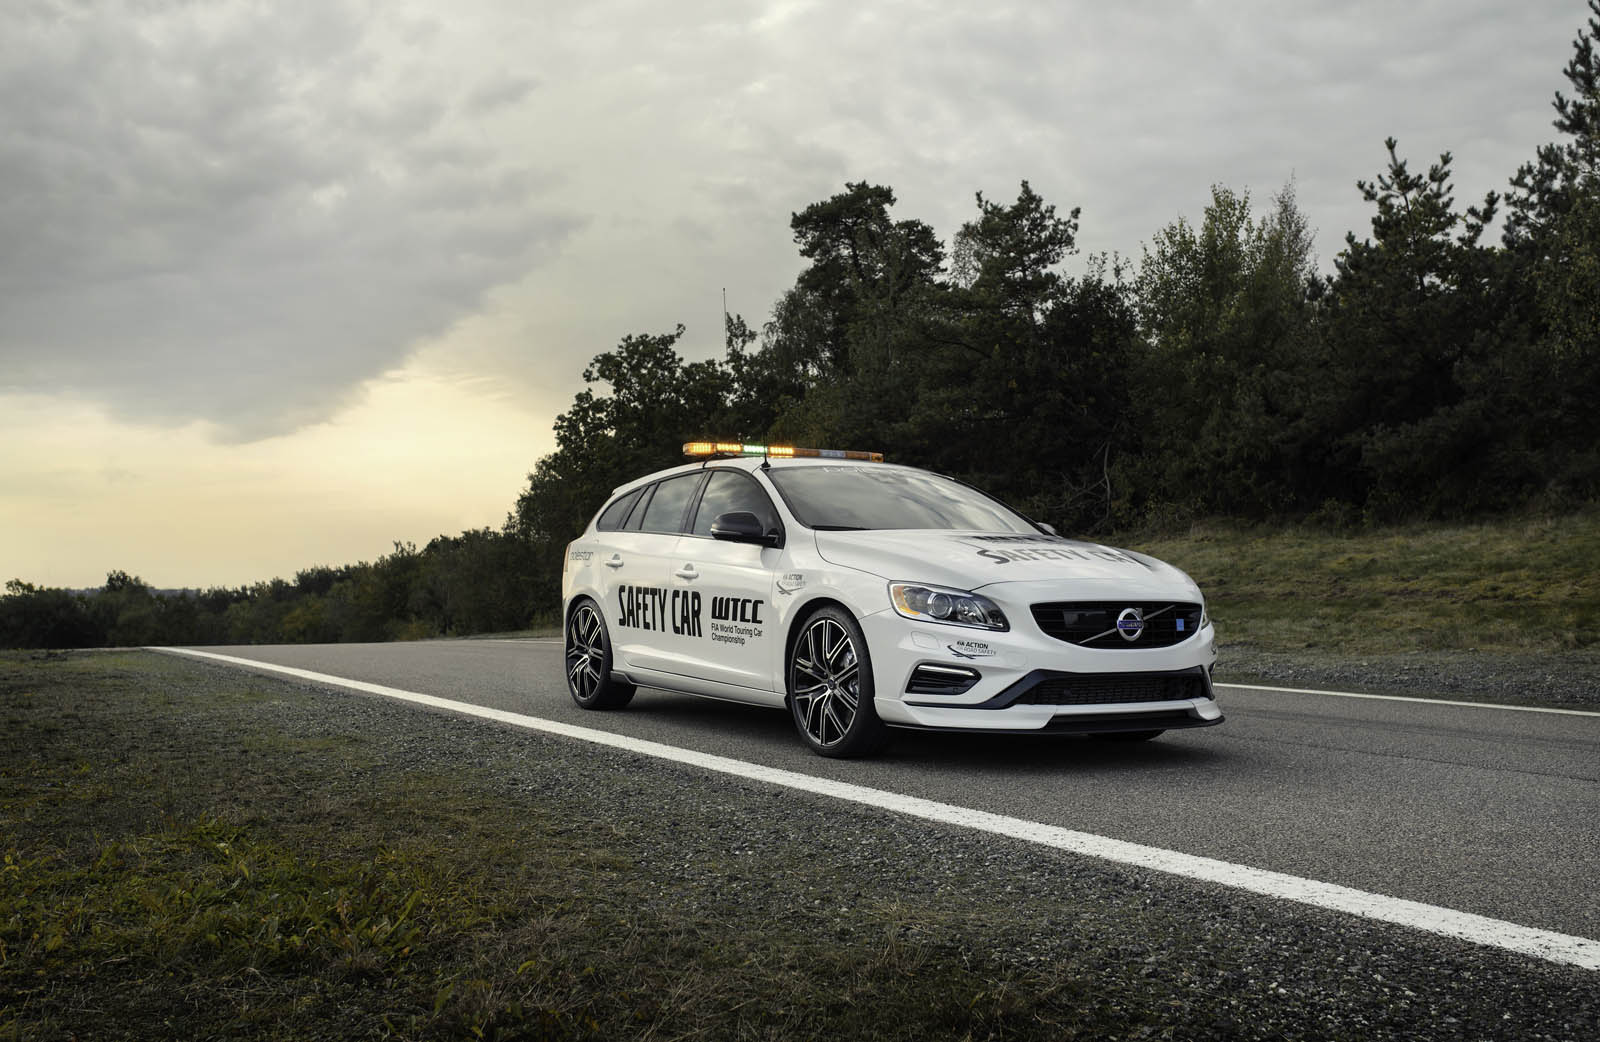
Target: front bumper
[{"x": 1011, "y": 664}]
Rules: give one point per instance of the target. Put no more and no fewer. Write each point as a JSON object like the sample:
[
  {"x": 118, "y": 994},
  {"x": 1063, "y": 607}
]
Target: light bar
[{"x": 730, "y": 448}]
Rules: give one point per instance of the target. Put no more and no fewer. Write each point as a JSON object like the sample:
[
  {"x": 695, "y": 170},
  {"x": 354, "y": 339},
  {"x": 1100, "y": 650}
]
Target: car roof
[{"x": 748, "y": 464}]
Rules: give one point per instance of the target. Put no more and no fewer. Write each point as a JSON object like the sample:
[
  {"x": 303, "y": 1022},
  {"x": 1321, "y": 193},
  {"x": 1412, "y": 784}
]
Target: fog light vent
[{"x": 941, "y": 680}]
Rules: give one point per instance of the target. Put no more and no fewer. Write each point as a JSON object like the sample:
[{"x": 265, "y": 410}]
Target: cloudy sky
[{"x": 282, "y": 283}]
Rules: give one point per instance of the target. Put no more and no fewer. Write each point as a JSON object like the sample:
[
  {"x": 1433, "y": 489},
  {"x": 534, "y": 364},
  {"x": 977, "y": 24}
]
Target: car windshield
[{"x": 879, "y": 496}]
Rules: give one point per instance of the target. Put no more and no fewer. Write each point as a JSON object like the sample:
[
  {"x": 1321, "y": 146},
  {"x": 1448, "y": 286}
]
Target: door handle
[
  {"x": 615, "y": 562},
  {"x": 687, "y": 572}
]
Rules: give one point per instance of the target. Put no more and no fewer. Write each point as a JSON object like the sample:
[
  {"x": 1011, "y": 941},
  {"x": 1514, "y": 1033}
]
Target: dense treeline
[
  {"x": 482, "y": 581},
  {"x": 1436, "y": 373}
]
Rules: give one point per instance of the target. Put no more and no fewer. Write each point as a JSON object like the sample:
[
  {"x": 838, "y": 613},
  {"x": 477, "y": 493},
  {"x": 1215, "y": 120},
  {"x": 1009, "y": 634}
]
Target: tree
[
  {"x": 998, "y": 365},
  {"x": 1563, "y": 173},
  {"x": 655, "y": 404},
  {"x": 1008, "y": 258},
  {"x": 1553, "y": 236},
  {"x": 857, "y": 252},
  {"x": 1420, "y": 404},
  {"x": 1224, "y": 310},
  {"x": 835, "y": 338},
  {"x": 31, "y": 617},
  {"x": 127, "y": 610},
  {"x": 481, "y": 581}
]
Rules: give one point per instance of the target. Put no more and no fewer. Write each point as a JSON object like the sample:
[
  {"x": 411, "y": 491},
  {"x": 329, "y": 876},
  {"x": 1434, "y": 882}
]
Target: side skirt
[{"x": 704, "y": 688}]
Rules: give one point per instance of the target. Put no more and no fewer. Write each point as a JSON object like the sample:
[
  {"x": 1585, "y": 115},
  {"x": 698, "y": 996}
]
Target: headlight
[{"x": 942, "y": 604}]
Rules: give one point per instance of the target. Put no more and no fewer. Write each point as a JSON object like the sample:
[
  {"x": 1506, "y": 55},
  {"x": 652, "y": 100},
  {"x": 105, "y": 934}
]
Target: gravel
[
  {"x": 750, "y": 857},
  {"x": 1568, "y": 680}
]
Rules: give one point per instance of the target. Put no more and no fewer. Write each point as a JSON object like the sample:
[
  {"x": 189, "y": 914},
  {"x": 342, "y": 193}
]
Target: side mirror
[{"x": 741, "y": 526}]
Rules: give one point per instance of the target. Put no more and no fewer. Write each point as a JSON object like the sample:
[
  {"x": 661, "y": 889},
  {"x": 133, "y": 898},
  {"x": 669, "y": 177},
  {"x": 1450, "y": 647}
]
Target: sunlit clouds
[{"x": 415, "y": 455}]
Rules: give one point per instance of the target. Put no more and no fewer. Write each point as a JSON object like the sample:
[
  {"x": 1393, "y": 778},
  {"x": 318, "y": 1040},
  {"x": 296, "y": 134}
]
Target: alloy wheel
[
  {"x": 586, "y": 649},
  {"x": 825, "y": 678}
]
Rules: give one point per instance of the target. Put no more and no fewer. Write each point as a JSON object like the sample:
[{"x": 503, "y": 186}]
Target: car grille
[
  {"x": 1090, "y": 689},
  {"x": 1093, "y": 624}
]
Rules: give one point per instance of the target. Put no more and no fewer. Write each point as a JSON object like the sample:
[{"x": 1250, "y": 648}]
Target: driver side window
[{"x": 728, "y": 491}]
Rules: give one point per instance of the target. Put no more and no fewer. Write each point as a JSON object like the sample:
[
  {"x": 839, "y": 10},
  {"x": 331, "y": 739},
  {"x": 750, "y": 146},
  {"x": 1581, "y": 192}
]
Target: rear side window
[
  {"x": 728, "y": 491},
  {"x": 612, "y": 517},
  {"x": 667, "y": 507},
  {"x": 636, "y": 515}
]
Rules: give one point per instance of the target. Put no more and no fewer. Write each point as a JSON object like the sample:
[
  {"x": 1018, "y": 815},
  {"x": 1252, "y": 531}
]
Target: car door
[
  {"x": 639, "y": 606},
  {"x": 730, "y": 586},
  {"x": 584, "y": 570}
]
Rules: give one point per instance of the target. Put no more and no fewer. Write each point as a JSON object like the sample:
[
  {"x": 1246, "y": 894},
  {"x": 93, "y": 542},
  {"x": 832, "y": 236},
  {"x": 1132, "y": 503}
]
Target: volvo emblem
[{"x": 1130, "y": 623}]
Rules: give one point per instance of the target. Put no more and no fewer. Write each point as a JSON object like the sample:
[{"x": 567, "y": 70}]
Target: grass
[
  {"x": 193, "y": 853},
  {"x": 176, "y": 865},
  {"x": 1514, "y": 586}
]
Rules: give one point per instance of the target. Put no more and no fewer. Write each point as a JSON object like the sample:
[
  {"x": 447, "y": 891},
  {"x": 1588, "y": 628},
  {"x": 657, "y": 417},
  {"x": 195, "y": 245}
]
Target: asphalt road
[{"x": 1483, "y": 810}]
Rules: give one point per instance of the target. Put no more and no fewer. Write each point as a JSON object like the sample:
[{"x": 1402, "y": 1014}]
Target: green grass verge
[
  {"x": 1523, "y": 586},
  {"x": 177, "y": 865}
]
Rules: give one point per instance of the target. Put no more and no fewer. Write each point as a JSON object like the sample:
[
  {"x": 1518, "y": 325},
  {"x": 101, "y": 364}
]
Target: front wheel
[
  {"x": 830, "y": 686},
  {"x": 588, "y": 659}
]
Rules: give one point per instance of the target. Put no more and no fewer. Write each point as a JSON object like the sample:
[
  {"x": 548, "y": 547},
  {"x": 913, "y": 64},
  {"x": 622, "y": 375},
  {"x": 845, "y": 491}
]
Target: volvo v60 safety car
[{"x": 862, "y": 596}]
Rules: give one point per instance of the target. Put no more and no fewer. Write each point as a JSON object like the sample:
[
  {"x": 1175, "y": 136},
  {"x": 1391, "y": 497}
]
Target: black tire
[
  {"x": 588, "y": 660},
  {"x": 829, "y": 677},
  {"x": 1128, "y": 736}
]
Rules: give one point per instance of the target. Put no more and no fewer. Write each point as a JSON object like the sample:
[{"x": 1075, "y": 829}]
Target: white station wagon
[{"x": 865, "y": 596}]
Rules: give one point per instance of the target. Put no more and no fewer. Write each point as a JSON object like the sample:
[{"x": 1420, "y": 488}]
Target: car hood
[{"x": 972, "y": 560}]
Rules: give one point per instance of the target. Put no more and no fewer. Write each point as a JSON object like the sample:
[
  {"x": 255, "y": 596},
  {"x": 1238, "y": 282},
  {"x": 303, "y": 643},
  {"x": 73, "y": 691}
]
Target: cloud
[
  {"x": 239, "y": 212},
  {"x": 500, "y": 91}
]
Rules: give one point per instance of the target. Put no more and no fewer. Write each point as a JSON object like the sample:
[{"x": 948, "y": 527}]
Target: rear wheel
[
  {"x": 830, "y": 687},
  {"x": 588, "y": 659}
]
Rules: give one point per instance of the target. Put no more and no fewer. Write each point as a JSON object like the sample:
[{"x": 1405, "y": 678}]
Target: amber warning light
[{"x": 733, "y": 448}]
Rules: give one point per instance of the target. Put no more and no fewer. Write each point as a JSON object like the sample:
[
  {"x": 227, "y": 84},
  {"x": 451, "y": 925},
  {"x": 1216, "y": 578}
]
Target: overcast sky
[{"x": 283, "y": 283}]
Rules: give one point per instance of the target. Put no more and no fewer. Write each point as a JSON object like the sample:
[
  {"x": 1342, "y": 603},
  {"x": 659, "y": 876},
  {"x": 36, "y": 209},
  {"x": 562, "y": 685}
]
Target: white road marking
[
  {"x": 1477, "y": 929},
  {"x": 1407, "y": 698}
]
